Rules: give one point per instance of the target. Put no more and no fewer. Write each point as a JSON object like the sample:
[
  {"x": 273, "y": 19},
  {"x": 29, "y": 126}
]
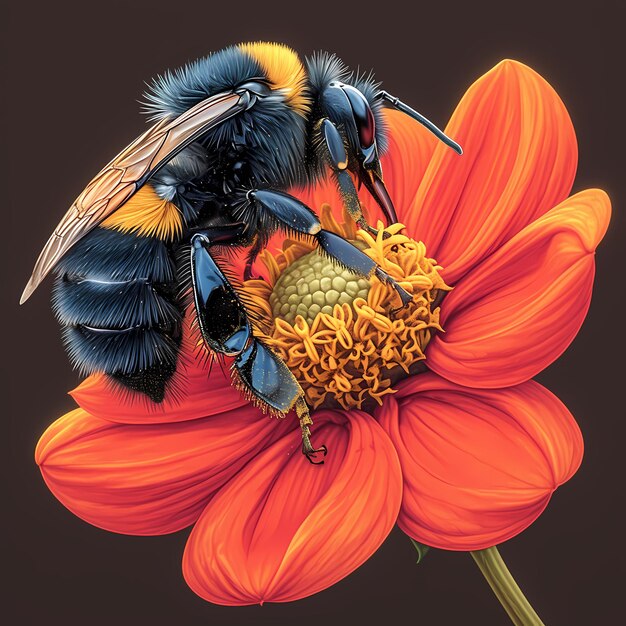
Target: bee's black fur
[
  {"x": 137, "y": 303},
  {"x": 106, "y": 254},
  {"x": 113, "y": 298},
  {"x": 149, "y": 381},
  {"x": 270, "y": 136},
  {"x": 176, "y": 91},
  {"x": 119, "y": 352}
]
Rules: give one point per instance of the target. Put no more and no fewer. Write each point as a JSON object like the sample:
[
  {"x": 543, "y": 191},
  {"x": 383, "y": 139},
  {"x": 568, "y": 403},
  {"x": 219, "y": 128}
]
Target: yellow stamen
[{"x": 346, "y": 338}]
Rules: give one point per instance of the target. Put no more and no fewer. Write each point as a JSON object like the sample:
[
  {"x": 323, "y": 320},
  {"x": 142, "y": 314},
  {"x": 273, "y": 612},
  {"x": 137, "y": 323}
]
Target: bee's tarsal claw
[{"x": 312, "y": 454}]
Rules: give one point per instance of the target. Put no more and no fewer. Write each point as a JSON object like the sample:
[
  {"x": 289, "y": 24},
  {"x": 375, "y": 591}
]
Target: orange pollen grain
[{"x": 346, "y": 338}]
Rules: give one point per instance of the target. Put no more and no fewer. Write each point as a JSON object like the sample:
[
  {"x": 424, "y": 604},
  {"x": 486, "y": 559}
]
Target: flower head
[
  {"x": 346, "y": 337},
  {"x": 429, "y": 412}
]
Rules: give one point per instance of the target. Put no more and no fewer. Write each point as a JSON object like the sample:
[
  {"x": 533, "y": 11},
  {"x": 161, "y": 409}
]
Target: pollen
[{"x": 347, "y": 338}]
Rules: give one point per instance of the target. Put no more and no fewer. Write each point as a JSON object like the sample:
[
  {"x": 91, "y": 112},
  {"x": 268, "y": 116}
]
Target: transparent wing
[{"x": 126, "y": 173}]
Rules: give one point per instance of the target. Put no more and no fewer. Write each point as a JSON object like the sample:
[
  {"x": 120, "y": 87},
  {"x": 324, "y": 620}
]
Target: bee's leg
[
  {"x": 338, "y": 160},
  {"x": 226, "y": 329},
  {"x": 224, "y": 234},
  {"x": 255, "y": 250},
  {"x": 304, "y": 416},
  {"x": 221, "y": 318},
  {"x": 294, "y": 215},
  {"x": 265, "y": 375}
]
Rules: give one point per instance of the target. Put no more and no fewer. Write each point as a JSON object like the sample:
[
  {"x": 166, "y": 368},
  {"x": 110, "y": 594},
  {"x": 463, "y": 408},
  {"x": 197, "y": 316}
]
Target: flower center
[
  {"x": 347, "y": 338},
  {"x": 314, "y": 284}
]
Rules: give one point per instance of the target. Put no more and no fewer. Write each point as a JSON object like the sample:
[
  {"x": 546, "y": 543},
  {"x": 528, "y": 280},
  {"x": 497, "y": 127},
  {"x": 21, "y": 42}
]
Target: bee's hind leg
[
  {"x": 226, "y": 329},
  {"x": 304, "y": 416},
  {"x": 266, "y": 377}
]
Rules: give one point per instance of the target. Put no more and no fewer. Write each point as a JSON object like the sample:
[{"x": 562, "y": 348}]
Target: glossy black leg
[
  {"x": 221, "y": 317},
  {"x": 265, "y": 374},
  {"x": 294, "y": 215},
  {"x": 226, "y": 329},
  {"x": 255, "y": 250},
  {"x": 338, "y": 160}
]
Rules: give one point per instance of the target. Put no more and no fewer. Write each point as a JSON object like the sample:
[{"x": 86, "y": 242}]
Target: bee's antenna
[{"x": 405, "y": 108}]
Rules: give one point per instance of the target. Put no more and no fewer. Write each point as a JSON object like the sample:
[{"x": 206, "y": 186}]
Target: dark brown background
[{"x": 74, "y": 74}]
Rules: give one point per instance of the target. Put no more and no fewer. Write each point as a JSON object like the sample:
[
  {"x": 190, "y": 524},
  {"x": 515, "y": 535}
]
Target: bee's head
[{"x": 351, "y": 102}]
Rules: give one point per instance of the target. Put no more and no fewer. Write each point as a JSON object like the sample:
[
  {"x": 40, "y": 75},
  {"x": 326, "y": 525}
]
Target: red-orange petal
[
  {"x": 152, "y": 479},
  {"x": 197, "y": 394},
  {"x": 519, "y": 161},
  {"x": 479, "y": 466},
  {"x": 283, "y": 529},
  {"x": 518, "y": 311},
  {"x": 410, "y": 148}
]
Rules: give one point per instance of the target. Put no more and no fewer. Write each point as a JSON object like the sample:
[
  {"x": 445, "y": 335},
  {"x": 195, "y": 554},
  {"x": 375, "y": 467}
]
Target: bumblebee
[{"x": 233, "y": 132}]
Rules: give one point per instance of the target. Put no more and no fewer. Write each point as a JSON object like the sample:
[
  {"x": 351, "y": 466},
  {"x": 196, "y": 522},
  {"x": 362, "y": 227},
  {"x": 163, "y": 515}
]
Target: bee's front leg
[
  {"x": 338, "y": 160},
  {"x": 294, "y": 215},
  {"x": 255, "y": 250}
]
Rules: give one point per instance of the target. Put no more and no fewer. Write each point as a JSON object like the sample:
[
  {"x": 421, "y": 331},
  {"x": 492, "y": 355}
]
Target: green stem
[{"x": 505, "y": 588}]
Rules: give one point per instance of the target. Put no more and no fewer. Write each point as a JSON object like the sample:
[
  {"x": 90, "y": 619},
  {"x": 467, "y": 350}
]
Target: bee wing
[{"x": 126, "y": 173}]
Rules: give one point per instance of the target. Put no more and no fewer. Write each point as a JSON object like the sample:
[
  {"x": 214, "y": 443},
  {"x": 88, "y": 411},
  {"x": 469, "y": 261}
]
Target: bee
[{"x": 233, "y": 132}]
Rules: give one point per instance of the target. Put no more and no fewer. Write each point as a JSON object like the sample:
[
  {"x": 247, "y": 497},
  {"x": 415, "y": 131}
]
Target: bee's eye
[{"x": 363, "y": 116}]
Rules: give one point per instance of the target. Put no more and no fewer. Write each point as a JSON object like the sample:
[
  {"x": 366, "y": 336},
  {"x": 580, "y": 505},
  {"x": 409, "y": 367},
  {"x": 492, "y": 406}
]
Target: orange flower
[{"x": 462, "y": 456}]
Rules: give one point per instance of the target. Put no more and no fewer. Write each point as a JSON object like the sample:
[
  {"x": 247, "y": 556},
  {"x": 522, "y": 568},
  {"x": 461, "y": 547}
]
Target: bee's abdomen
[
  {"x": 127, "y": 352},
  {"x": 112, "y": 304},
  {"x": 114, "y": 298}
]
